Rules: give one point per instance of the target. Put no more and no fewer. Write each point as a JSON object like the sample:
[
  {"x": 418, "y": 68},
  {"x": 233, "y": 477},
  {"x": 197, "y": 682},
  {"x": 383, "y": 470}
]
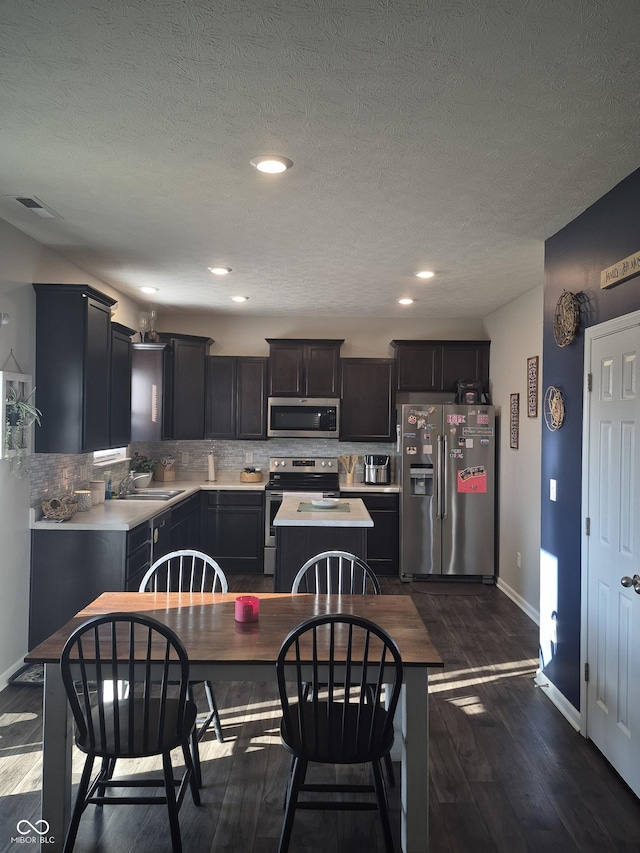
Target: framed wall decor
[
  {"x": 532, "y": 387},
  {"x": 514, "y": 420}
]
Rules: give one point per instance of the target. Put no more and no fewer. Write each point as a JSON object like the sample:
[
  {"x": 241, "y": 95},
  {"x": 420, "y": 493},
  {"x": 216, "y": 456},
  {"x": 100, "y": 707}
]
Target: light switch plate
[{"x": 552, "y": 490}]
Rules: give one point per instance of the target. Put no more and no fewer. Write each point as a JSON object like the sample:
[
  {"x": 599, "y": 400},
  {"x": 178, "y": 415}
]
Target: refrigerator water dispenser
[{"x": 421, "y": 478}]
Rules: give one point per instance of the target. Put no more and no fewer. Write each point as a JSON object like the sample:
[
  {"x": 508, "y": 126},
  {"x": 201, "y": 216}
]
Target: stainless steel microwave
[{"x": 303, "y": 417}]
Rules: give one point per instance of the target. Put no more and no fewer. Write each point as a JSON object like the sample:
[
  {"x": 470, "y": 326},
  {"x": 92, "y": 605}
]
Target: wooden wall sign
[
  {"x": 532, "y": 387},
  {"x": 514, "y": 420},
  {"x": 619, "y": 272}
]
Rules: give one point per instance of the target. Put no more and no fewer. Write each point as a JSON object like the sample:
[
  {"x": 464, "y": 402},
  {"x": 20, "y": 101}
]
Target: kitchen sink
[{"x": 151, "y": 495}]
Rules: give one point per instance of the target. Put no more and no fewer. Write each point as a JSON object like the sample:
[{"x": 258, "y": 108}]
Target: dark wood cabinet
[
  {"x": 120, "y": 416},
  {"x": 73, "y": 368},
  {"x": 69, "y": 568},
  {"x": 184, "y": 385},
  {"x": 296, "y": 545},
  {"x": 138, "y": 558},
  {"x": 462, "y": 360},
  {"x": 185, "y": 524},
  {"x": 367, "y": 405},
  {"x": 236, "y": 398},
  {"x": 300, "y": 367},
  {"x": 383, "y": 539},
  {"x": 419, "y": 365},
  {"x": 168, "y": 388},
  {"x": 437, "y": 365},
  {"x": 148, "y": 369},
  {"x": 232, "y": 530}
]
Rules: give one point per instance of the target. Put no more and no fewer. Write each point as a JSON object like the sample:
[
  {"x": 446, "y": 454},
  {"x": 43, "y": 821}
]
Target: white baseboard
[
  {"x": 571, "y": 714},
  {"x": 5, "y": 676},
  {"x": 524, "y": 605}
]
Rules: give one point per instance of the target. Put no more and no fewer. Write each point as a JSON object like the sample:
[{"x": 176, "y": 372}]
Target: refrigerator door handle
[
  {"x": 439, "y": 478},
  {"x": 444, "y": 475}
]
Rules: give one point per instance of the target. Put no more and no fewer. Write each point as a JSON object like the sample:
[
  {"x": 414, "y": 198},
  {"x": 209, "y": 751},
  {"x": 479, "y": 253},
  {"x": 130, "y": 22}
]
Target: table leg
[
  {"x": 415, "y": 761},
  {"x": 56, "y": 758}
]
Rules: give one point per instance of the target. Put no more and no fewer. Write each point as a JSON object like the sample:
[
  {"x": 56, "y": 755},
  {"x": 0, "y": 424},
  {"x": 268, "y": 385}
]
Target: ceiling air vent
[{"x": 36, "y": 206}]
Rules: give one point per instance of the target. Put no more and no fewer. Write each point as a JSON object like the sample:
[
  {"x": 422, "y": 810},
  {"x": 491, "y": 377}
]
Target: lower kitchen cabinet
[
  {"x": 185, "y": 524},
  {"x": 232, "y": 530},
  {"x": 383, "y": 539},
  {"x": 69, "y": 568}
]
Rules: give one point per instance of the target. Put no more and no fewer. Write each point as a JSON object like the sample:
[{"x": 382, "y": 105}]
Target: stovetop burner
[{"x": 303, "y": 473}]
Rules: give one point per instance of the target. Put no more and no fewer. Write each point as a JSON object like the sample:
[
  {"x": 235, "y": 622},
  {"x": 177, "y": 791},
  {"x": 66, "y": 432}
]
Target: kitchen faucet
[{"x": 126, "y": 485}]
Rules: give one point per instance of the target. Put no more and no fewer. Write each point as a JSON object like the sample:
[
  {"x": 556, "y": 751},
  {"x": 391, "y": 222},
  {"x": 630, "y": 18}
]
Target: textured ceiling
[{"x": 453, "y": 136}]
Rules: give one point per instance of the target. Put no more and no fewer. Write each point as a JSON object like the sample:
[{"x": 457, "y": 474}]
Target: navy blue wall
[{"x": 604, "y": 234}]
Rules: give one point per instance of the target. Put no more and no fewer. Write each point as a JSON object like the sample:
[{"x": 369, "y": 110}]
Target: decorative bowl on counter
[
  {"x": 251, "y": 475},
  {"x": 142, "y": 480},
  {"x": 60, "y": 509}
]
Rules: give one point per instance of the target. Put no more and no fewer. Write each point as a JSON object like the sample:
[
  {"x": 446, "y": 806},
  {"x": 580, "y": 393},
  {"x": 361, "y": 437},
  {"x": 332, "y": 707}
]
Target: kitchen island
[{"x": 304, "y": 530}]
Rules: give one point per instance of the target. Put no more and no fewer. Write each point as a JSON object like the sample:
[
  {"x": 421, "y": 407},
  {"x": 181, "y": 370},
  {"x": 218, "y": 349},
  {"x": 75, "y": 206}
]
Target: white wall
[
  {"x": 364, "y": 337},
  {"x": 23, "y": 262},
  {"x": 516, "y": 334}
]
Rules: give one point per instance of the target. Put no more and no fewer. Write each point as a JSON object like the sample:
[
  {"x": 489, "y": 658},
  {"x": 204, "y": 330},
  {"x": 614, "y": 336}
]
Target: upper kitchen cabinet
[
  {"x": 304, "y": 368},
  {"x": 437, "y": 365},
  {"x": 236, "y": 398},
  {"x": 367, "y": 412},
  {"x": 73, "y": 368},
  {"x": 120, "y": 418},
  {"x": 168, "y": 388},
  {"x": 184, "y": 385}
]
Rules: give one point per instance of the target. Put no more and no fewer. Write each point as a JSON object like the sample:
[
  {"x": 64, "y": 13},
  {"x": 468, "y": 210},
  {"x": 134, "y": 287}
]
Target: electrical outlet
[
  {"x": 518, "y": 559},
  {"x": 248, "y": 458},
  {"x": 185, "y": 457}
]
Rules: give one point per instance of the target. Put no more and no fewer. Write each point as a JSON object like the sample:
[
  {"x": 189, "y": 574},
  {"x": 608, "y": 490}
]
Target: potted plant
[
  {"x": 142, "y": 468},
  {"x": 20, "y": 414}
]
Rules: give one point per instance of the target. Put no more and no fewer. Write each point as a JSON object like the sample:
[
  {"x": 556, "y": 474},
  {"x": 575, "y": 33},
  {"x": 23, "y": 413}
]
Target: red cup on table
[{"x": 247, "y": 608}]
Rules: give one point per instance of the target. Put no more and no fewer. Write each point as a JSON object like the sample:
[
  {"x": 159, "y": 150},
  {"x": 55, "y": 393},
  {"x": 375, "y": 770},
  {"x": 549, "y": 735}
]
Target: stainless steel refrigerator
[{"x": 447, "y": 501}]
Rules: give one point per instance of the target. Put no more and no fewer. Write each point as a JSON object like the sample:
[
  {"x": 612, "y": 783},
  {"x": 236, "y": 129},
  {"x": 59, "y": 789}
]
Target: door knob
[{"x": 634, "y": 582}]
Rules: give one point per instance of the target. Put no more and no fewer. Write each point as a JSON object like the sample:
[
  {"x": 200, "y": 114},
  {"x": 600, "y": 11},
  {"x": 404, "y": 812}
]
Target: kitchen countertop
[
  {"x": 376, "y": 488},
  {"x": 125, "y": 515},
  {"x": 289, "y": 516}
]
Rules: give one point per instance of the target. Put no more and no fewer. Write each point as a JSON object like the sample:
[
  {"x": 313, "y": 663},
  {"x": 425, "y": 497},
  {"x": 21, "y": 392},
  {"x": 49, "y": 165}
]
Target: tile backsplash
[{"x": 47, "y": 479}]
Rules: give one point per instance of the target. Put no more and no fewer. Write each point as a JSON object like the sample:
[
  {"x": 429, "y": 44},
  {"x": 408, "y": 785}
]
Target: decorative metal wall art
[
  {"x": 553, "y": 408},
  {"x": 566, "y": 318}
]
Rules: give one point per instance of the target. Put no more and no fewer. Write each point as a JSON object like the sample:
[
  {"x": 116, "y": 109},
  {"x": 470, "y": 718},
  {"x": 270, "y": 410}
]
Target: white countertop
[
  {"x": 377, "y": 488},
  {"x": 289, "y": 516},
  {"x": 125, "y": 515}
]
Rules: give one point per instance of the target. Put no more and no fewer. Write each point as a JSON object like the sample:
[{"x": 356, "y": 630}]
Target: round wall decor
[
  {"x": 553, "y": 408},
  {"x": 566, "y": 318}
]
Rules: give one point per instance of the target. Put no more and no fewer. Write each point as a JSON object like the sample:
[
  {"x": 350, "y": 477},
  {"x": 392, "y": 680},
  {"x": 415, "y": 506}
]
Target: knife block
[{"x": 163, "y": 474}]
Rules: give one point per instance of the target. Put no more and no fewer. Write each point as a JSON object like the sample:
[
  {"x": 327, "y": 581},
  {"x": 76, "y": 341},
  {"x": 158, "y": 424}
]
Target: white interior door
[{"x": 612, "y": 550}]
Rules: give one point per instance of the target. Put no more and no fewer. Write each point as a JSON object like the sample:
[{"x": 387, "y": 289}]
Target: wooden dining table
[{"x": 221, "y": 649}]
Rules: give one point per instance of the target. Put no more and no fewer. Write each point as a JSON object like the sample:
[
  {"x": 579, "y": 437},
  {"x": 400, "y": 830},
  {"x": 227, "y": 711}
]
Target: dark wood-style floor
[{"x": 508, "y": 773}]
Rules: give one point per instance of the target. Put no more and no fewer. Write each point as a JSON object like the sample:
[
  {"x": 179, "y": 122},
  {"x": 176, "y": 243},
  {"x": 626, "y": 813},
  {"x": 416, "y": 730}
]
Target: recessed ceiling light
[
  {"x": 240, "y": 298},
  {"x": 220, "y": 270},
  {"x": 149, "y": 289},
  {"x": 405, "y": 301},
  {"x": 425, "y": 274},
  {"x": 271, "y": 163}
]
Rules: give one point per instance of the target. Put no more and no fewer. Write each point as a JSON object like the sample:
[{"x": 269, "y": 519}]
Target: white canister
[
  {"x": 83, "y": 496},
  {"x": 97, "y": 491}
]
